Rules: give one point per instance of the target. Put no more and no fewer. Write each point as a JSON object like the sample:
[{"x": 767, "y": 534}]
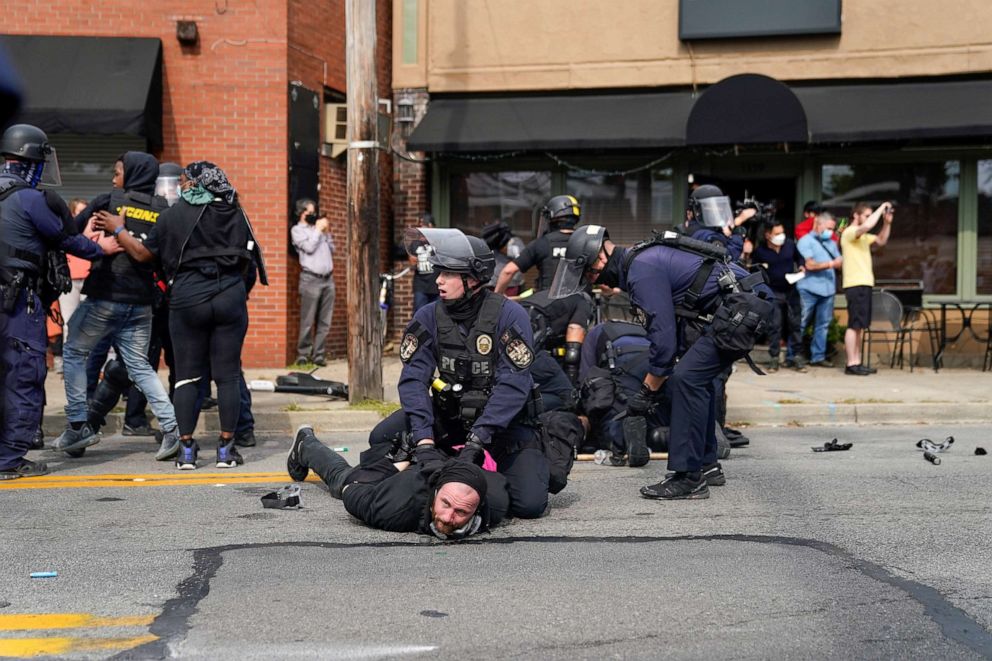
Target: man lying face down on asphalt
[{"x": 411, "y": 489}]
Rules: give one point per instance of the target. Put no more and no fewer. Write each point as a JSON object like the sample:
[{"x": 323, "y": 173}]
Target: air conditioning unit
[{"x": 335, "y": 129}]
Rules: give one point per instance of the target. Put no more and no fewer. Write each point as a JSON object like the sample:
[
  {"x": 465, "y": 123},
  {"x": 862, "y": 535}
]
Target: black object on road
[
  {"x": 927, "y": 445},
  {"x": 980, "y": 451},
  {"x": 286, "y": 498},
  {"x": 932, "y": 458},
  {"x": 302, "y": 383},
  {"x": 833, "y": 446}
]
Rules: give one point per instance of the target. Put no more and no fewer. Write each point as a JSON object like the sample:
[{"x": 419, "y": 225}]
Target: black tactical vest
[
  {"x": 557, "y": 243},
  {"x": 470, "y": 360}
]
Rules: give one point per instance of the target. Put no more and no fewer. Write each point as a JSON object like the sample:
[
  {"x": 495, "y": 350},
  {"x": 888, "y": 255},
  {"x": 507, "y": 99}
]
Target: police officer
[
  {"x": 33, "y": 224},
  {"x": 561, "y": 214},
  {"x": 709, "y": 218},
  {"x": 499, "y": 237},
  {"x": 559, "y": 326},
  {"x": 480, "y": 345},
  {"x": 417, "y": 489},
  {"x": 667, "y": 278}
]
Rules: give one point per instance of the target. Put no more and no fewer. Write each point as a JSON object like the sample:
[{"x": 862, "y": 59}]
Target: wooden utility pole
[{"x": 364, "y": 345}]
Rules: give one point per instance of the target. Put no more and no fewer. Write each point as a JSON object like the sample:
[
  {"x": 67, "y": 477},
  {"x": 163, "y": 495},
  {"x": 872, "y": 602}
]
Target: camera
[{"x": 765, "y": 211}]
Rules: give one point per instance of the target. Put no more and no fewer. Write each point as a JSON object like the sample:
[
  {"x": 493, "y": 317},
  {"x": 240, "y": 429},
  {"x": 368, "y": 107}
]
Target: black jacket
[{"x": 400, "y": 501}]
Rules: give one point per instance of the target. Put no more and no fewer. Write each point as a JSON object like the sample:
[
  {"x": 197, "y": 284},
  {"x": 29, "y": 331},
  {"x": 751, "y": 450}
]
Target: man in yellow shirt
[{"x": 856, "y": 245}]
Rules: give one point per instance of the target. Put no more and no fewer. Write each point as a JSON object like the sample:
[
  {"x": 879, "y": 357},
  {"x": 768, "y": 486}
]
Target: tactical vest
[
  {"x": 141, "y": 212},
  {"x": 615, "y": 358},
  {"x": 9, "y": 186},
  {"x": 557, "y": 244},
  {"x": 470, "y": 360}
]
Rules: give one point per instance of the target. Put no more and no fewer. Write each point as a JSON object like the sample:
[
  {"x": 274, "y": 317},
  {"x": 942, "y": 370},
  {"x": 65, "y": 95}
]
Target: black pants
[
  {"x": 786, "y": 323},
  {"x": 330, "y": 467},
  {"x": 516, "y": 450},
  {"x": 209, "y": 337}
]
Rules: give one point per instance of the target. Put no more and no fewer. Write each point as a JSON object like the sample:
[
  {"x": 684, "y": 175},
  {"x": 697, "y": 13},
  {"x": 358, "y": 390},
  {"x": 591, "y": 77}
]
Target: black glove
[
  {"x": 474, "y": 451},
  {"x": 639, "y": 404},
  {"x": 403, "y": 447}
]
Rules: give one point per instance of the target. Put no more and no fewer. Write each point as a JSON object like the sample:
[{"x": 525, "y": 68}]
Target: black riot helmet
[
  {"x": 24, "y": 142},
  {"x": 451, "y": 250},
  {"x": 497, "y": 234},
  {"x": 561, "y": 212},
  {"x": 710, "y": 207},
  {"x": 581, "y": 253}
]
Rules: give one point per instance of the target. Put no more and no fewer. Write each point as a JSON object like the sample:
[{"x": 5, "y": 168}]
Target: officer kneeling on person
[
  {"x": 480, "y": 345},
  {"x": 668, "y": 277},
  {"x": 412, "y": 489}
]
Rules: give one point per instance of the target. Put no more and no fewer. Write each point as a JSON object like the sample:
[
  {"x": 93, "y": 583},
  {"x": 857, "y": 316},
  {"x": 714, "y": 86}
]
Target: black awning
[
  {"x": 746, "y": 109},
  {"x": 101, "y": 85},
  {"x": 898, "y": 111},
  {"x": 603, "y": 121}
]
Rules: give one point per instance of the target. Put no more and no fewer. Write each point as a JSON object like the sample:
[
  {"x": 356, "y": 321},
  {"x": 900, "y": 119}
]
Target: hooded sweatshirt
[{"x": 120, "y": 278}]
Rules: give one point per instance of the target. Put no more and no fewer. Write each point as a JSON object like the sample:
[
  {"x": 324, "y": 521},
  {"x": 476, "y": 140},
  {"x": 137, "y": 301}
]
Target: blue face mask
[{"x": 826, "y": 235}]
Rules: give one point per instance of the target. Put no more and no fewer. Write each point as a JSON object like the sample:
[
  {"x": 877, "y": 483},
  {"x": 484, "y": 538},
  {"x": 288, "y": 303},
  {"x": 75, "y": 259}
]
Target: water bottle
[{"x": 601, "y": 457}]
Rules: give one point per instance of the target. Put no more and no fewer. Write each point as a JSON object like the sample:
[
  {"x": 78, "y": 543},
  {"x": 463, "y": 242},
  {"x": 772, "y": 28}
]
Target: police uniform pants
[
  {"x": 693, "y": 436},
  {"x": 517, "y": 452},
  {"x": 25, "y": 339}
]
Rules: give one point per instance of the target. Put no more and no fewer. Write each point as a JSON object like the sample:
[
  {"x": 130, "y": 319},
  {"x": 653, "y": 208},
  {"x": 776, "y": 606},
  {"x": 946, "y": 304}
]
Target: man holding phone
[{"x": 312, "y": 239}]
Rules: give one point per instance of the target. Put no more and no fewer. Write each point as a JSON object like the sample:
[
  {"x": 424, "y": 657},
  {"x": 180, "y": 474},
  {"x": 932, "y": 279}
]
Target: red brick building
[{"x": 226, "y": 98}]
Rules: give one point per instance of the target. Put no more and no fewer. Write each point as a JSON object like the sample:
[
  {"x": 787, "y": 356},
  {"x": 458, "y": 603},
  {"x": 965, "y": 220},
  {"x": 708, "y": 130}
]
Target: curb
[{"x": 829, "y": 413}]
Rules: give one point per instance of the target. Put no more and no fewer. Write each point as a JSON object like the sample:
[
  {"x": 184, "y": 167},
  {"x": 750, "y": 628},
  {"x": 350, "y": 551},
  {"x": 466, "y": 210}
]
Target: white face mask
[{"x": 778, "y": 239}]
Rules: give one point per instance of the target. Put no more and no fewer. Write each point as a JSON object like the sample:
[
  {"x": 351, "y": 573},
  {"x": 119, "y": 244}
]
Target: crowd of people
[{"x": 501, "y": 386}]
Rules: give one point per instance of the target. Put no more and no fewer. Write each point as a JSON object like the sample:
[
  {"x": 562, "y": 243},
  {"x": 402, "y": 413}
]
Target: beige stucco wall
[{"x": 491, "y": 45}]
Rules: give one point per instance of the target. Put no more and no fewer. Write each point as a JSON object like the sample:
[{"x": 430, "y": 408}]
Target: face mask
[
  {"x": 311, "y": 218},
  {"x": 197, "y": 195},
  {"x": 778, "y": 239},
  {"x": 826, "y": 235}
]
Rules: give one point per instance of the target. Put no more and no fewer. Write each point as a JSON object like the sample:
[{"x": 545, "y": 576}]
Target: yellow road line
[
  {"x": 28, "y": 647},
  {"x": 146, "y": 480},
  {"x": 36, "y": 621}
]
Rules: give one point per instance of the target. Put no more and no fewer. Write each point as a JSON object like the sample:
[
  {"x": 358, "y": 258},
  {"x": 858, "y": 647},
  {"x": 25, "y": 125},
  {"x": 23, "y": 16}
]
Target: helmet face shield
[
  {"x": 716, "y": 211},
  {"x": 447, "y": 249},
  {"x": 569, "y": 278},
  {"x": 167, "y": 186},
  {"x": 51, "y": 175}
]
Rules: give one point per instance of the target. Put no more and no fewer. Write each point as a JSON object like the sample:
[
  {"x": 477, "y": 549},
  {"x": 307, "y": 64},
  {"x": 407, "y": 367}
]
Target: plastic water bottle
[{"x": 601, "y": 457}]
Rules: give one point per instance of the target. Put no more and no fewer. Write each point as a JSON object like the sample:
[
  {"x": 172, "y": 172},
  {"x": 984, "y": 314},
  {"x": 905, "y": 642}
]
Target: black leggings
[{"x": 209, "y": 333}]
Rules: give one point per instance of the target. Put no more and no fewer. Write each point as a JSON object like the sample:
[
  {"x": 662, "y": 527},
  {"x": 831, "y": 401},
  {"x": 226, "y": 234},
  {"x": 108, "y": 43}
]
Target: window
[
  {"x": 630, "y": 206},
  {"x": 479, "y": 198},
  {"x": 924, "y": 240},
  {"x": 983, "y": 277}
]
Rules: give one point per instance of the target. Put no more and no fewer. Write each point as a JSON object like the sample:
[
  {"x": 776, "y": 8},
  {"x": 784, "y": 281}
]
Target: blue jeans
[
  {"x": 129, "y": 327},
  {"x": 819, "y": 310}
]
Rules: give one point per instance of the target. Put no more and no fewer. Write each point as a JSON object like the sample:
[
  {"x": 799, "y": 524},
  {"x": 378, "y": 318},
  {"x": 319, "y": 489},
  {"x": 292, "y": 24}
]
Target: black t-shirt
[
  {"x": 777, "y": 264},
  {"x": 198, "y": 281},
  {"x": 544, "y": 252}
]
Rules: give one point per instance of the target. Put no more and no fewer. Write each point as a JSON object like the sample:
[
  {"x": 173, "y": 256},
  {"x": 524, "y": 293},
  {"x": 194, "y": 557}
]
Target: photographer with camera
[
  {"x": 708, "y": 218},
  {"x": 312, "y": 239}
]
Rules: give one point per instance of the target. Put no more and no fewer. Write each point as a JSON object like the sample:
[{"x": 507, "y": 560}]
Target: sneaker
[
  {"x": 208, "y": 403},
  {"x": 186, "y": 458},
  {"x": 38, "y": 442},
  {"x": 680, "y": 486},
  {"x": 74, "y": 441},
  {"x": 245, "y": 439},
  {"x": 228, "y": 455},
  {"x": 140, "y": 430},
  {"x": 26, "y": 468},
  {"x": 57, "y": 365},
  {"x": 797, "y": 365},
  {"x": 713, "y": 474},
  {"x": 294, "y": 461},
  {"x": 857, "y": 370},
  {"x": 169, "y": 447},
  {"x": 825, "y": 362},
  {"x": 772, "y": 366},
  {"x": 319, "y": 361}
]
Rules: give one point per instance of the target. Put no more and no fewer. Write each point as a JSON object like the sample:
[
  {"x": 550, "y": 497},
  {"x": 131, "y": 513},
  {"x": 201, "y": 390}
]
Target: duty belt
[{"x": 325, "y": 276}]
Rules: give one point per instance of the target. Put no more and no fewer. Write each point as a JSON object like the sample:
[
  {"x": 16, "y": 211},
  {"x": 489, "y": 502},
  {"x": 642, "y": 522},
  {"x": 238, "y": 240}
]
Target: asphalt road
[{"x": 871, "y": 553}]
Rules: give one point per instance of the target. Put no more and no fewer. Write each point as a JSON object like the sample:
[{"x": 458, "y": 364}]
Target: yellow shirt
[{"x": 856, "y": 249}]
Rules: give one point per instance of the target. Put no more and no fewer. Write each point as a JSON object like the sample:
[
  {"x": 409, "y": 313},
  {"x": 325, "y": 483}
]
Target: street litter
[
  {"x": 980, "y": 451},
  {"x": 927, "y": 445},
  {"x": 932, "y": 458},
  {"x": 832, "y": 446},
  {"x": 44, "y": 574},
  {"x": 286, "y": 498}
]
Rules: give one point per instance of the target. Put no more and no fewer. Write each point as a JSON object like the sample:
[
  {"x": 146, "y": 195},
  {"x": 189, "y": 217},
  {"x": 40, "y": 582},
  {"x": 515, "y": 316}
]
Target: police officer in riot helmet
[
  {"x": 668, "y": 278},
  {"x": 36, "y": 230},
  {"x": 480, "y": 346},
  {"x": 560, "y": 215},
  {"x": 710, "y": 218},
  {"x": 499, "y": 237}
]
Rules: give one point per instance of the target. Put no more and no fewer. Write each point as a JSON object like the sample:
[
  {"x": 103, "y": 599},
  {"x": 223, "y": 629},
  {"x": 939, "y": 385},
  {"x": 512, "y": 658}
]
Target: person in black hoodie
[
  {"x": 120, "y": 293},
  {"x": 206, "y": 249}
]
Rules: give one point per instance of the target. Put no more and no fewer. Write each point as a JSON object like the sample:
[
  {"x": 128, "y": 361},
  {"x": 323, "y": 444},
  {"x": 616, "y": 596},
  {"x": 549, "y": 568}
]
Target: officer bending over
[
  {"x": 34, "y": 226},
  {"x": 480, "y": 346},
  {"x": 413, "y": 490},
  {"x": 561, "y": 214},
  {"x": 665, "y": 278}
]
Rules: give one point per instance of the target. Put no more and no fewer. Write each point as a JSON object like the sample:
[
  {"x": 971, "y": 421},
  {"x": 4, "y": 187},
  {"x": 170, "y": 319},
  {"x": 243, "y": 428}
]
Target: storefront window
[
  {"x": 479, "y": 198},
  {"x": 631, "y": 206},
  {"x": 983, "y": 276},
  {"x": 924, "y": 240}
]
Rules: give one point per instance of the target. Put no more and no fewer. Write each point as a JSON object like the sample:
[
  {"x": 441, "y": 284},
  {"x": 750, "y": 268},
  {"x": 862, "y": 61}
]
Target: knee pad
[
  {"x": 115, "y": 374},
  {"x": 658, "y": 438}
]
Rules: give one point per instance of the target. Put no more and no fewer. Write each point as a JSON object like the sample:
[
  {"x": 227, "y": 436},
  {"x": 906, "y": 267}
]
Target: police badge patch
[
  {"x": 409, "y": 347},
  {"x": 484, "y": 344},
  {"x": 519, "y": 353}
]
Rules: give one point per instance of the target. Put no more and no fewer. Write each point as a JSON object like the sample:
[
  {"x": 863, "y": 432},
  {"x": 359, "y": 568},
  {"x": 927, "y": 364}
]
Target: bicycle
[{"x": 386, "y": 288}]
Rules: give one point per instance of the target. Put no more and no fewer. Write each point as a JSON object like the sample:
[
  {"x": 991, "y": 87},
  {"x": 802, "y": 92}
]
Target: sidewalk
[{"x": 819, "y": 397}]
